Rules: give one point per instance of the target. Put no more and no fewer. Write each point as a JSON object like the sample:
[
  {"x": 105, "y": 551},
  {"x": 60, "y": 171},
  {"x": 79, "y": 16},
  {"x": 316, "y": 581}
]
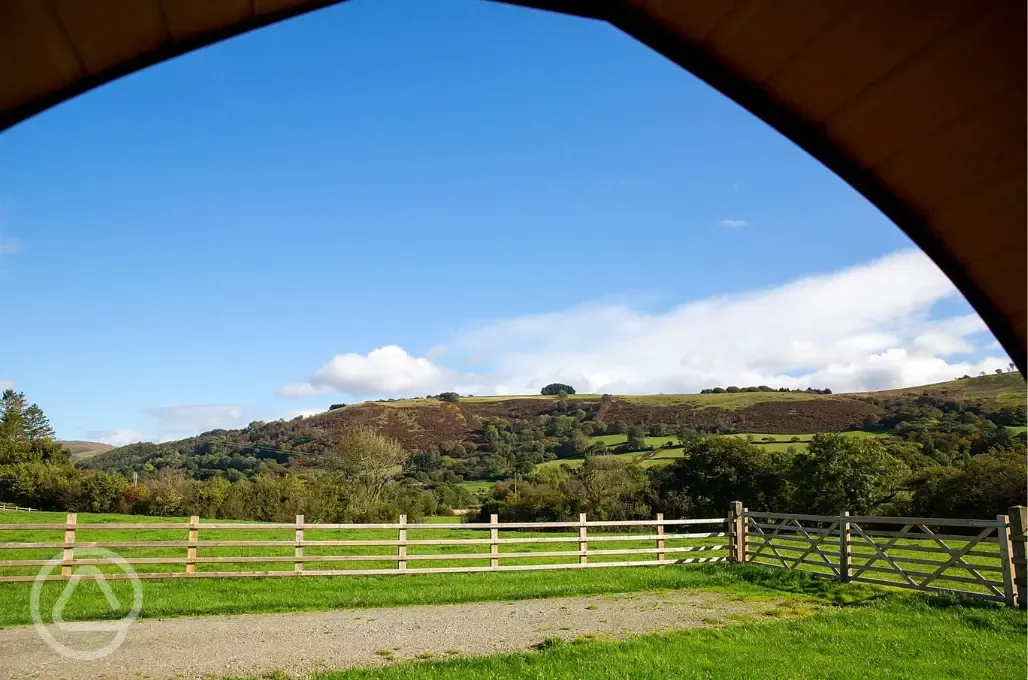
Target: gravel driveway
[{"x": 303, "y": 642}]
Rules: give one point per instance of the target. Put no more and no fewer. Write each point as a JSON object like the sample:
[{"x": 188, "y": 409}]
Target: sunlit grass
[
  {"x": 915, "y": 638},
  {"x": 195, "y": 597}
]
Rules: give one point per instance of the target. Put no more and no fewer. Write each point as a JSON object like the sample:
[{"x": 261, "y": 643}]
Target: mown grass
[
  {"x": 196, "y": 597},
  {"x": 896, "y": 637}
]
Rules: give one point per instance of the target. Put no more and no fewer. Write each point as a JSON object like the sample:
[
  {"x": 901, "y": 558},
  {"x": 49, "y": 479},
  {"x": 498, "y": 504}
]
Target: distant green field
[
  {"x": 577, "y": 462},
  {"x": 661, "y": 456},
  {"x": 615, "y": 439},
  {"x": 477, "y": 487},
  {"x": 664, "y": 456},
  {"x": 454, "y": 519}
]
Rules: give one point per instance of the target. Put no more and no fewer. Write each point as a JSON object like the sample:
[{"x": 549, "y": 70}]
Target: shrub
[{"x": 658, "y": 430}]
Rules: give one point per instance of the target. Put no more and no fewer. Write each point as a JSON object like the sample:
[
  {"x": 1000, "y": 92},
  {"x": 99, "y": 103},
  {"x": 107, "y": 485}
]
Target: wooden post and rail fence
[
  {"x": 11, "y": 506},
  {"x": 977, "y": 557}
]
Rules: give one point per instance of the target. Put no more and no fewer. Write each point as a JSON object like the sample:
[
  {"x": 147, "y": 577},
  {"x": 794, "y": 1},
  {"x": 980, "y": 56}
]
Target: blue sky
[{"x": 393, "y": 198}]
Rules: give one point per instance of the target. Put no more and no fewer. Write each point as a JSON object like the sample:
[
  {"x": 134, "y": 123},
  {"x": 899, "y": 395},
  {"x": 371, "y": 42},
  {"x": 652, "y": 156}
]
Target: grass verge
[{"x": 900, "y": 636}]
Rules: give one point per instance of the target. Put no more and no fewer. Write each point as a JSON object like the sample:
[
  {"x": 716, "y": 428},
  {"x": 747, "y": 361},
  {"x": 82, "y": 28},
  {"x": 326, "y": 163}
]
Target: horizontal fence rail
[
  {"x": 9, "y": 506},
  {"x": 351, "y": 549},
  {"x": 977, "y": 557}
]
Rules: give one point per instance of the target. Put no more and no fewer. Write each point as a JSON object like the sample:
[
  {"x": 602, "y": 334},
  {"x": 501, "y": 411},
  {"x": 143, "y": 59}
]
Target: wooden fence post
[
  {"x": 298, "y": 550},
  {"x": 1018, "y": 515},
  {"x": 744, "y": 533},
  {"x": 494, "y": 542},
  {"x": 69, "y": 540},
  {"x": 583, "y": 540},
  {"x": 401, "y": 550},
  {"x": 660, "y": 541},
  {"x": 194, "y": 531},
  {"x": 844, "y": 547},
  {"x": 1006, "y": 559},
  {"x": 736, "y": 550}
]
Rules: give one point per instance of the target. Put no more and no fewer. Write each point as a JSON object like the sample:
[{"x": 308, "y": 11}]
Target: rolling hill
[
  {"x": 421, "y": 424},
  {"x": 81, "y": 450}
]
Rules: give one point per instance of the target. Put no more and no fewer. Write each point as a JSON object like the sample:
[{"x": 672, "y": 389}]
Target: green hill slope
[{"x": 424, "y": 424}]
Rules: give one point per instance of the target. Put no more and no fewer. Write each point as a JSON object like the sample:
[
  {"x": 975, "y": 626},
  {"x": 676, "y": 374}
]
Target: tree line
[
  {"x": 931, "y": 456},
  {"x": 836, "y": 473},
  {"x": 731, "y": 389},
  {"x": 361, "y": 480}
]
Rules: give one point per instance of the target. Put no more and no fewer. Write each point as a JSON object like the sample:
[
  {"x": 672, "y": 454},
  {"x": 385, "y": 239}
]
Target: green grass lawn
[
  {"x": 893, "y": 637},
  {"x": 197, "y": 597}
]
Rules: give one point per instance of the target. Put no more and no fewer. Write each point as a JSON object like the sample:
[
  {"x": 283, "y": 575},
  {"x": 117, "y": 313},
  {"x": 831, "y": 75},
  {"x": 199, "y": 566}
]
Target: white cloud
[
  {"x": 305, "y": 412},
  {"x": 115, "y": 437},
  {"x": 863, "y": 328},
  {"x": 386, "y": 370},
  {"x": 733, "y": 224},
  {"x": 6, "y": 384},
  {"x": 175, "y": 422}
]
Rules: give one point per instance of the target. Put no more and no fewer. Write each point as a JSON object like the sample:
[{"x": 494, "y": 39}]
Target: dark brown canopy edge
[{"x": 165, "y": 51}]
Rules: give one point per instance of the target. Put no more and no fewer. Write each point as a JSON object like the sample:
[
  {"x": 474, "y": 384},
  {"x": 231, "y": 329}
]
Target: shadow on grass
[
  {"x": 970, "y": 611},
  {"x": 793, "y": 583}
]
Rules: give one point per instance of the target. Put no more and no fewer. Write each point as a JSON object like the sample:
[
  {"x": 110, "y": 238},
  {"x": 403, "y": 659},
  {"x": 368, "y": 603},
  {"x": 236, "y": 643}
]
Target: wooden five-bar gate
[{"x": 977, "y": 557}]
